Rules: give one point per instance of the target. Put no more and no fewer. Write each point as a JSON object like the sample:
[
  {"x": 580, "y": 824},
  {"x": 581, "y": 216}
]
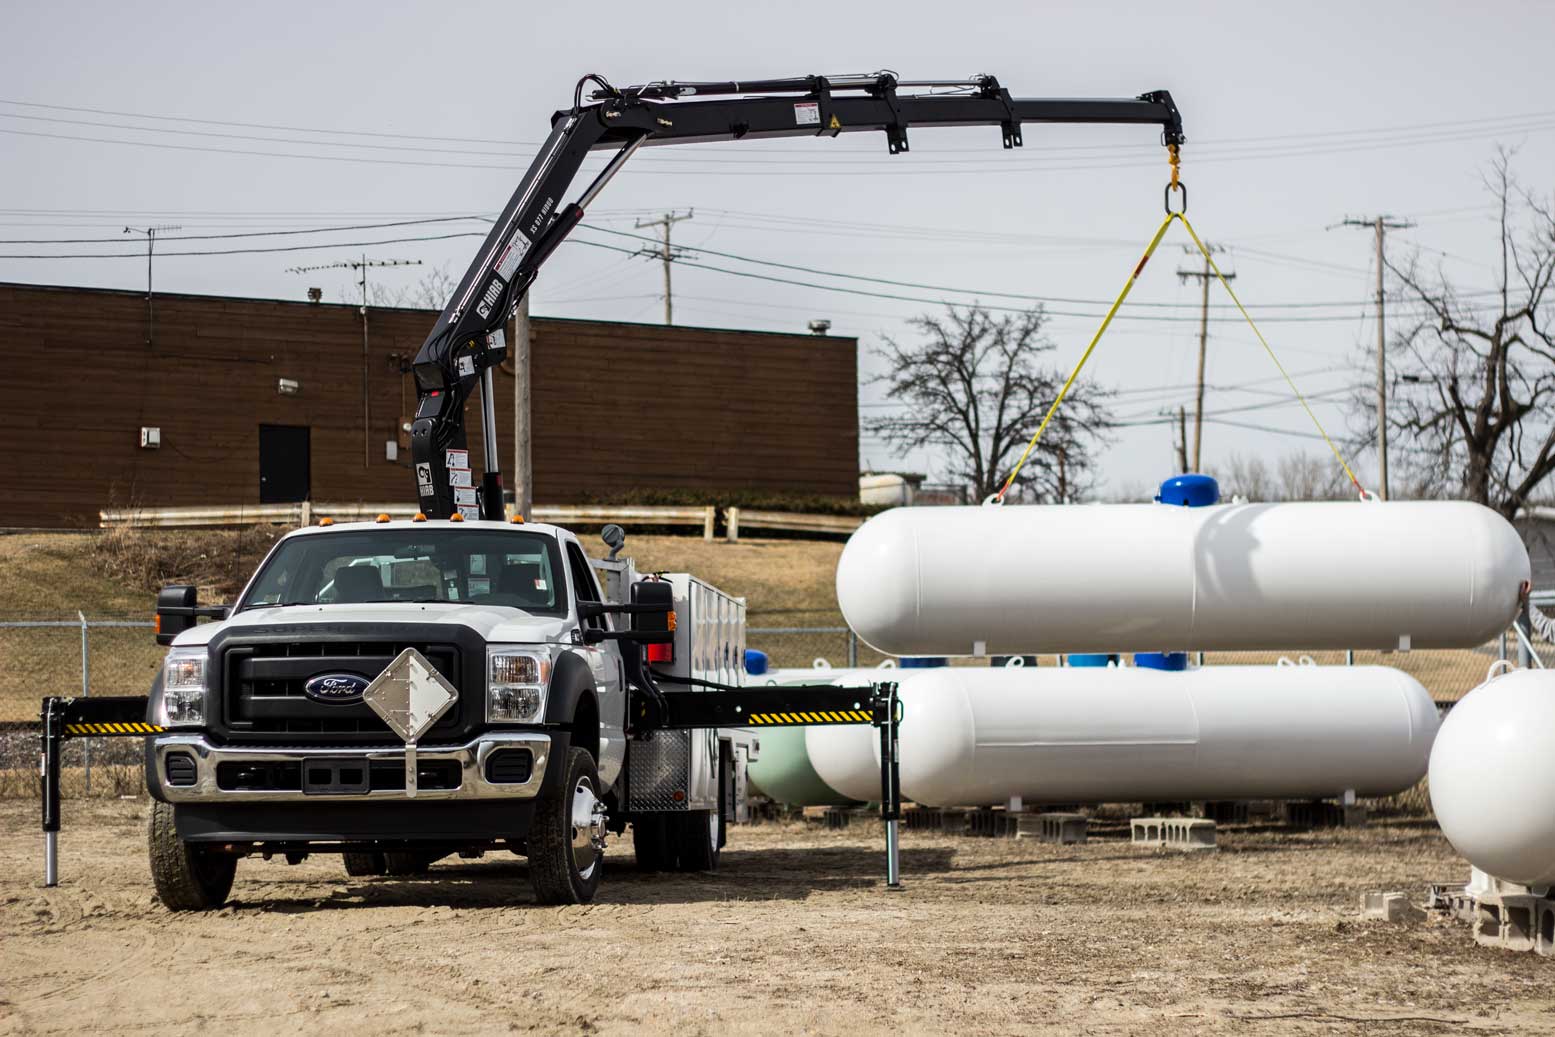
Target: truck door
[{"x": 609, "y": 675}]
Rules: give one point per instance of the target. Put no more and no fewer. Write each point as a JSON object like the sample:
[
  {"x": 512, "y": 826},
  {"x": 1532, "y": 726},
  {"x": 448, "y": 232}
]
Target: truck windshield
[{"x": 475, "y": 566}]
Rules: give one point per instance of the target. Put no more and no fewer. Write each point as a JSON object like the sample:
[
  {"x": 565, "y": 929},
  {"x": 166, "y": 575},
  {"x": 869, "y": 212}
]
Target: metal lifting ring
[{"x": 1166, "y": 198}]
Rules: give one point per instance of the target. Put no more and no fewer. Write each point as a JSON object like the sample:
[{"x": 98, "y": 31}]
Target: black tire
[
  {"x": 406, "y": 863},
  {"x": 651, "y": 842},
  {"x": 566, "y": 838},
  {"x": 187, "y": 876},
  {"x": 364, "y": 864},
  {"x": 700, "y": 834},
  {"x": 696, "y": 839}
]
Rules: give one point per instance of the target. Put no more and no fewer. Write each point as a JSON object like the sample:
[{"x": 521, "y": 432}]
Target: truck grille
[{"x": 264, "y": 698}]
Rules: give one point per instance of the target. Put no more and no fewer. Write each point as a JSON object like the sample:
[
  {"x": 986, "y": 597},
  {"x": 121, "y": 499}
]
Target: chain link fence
[
  {"x": 79, "y": 655},
  {"x": 117, "y": 655}
]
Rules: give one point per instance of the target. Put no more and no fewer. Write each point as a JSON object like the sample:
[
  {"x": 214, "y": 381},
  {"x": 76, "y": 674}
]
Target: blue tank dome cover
[{"x": 1190, "y": 490}]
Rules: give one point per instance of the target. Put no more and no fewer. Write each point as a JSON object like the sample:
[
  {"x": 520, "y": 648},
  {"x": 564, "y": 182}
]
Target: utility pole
[
  {"x": 1204, "y": 276},
  {"x": 151, "y": 238},
  {"x": 361, "y": 265},
  {"x": 666, "y": 253},
  {"x": 1182, "y": 440},
  {"x": 523, "y": 474},
  {"x": 1380, "y": 225}
]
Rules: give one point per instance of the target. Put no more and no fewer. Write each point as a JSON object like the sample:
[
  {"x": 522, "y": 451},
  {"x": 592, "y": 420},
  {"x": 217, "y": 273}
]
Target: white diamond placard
[{"x": 410, "y": 695}]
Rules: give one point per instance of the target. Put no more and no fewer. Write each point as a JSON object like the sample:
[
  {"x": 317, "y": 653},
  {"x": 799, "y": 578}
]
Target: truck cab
[{"x": 272, "y": 745}]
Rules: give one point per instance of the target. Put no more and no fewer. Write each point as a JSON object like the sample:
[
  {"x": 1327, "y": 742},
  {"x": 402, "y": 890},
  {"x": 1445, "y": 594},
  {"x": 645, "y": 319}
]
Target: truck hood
[{"x": 494, "y": 623}]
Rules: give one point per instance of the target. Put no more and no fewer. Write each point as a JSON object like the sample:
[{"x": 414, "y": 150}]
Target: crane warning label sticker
[
  {"x": 807, "y": 113},
  {"x": 473, "y": 514},
  {"x": 458, "y": 459},
  {"x": 458, "y": 477},
  {"x": 512, "y": 255},
  {"x": 464, "y": 495},
  {"x": 466, "y": 365},
  {"x": 424, "y": 478}
]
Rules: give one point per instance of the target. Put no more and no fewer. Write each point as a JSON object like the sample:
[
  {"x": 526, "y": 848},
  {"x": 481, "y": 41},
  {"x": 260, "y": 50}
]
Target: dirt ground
[{"x": 794, "y": 934}]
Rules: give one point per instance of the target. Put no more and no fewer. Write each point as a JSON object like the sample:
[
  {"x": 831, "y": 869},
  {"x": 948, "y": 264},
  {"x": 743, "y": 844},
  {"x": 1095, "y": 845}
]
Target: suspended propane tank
[
  {"x": 1123, "y": 577},
  {"x": 973, "y": 736},
  {"x": 1190, "y": 490},
  {"x": 1493, "y": 777}
]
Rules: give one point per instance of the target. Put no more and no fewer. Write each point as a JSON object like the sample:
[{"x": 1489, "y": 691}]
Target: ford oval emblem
[{"x": 336, "y": 687}]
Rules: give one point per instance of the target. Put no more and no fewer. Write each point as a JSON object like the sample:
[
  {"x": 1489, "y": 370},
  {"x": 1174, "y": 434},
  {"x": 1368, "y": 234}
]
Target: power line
[
  {"x": 694, "y": 165},
  {"x": 1499, "y": 123},
  {"x": 244, "y": 234},
  {"x": 1148, "y": 318},
  {"x": 250, "y": 251}
]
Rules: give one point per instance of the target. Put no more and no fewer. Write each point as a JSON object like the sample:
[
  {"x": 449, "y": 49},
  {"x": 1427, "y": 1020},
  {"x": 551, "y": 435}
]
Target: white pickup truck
[{"x": 273, "y": 744}]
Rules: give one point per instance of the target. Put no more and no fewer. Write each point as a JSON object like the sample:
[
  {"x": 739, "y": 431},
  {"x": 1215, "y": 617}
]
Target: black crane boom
[{"x": 467, "y": 341}]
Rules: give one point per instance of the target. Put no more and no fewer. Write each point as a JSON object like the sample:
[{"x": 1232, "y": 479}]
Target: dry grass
[
  {"x": 772, "y": 575},
  {"x": 115, "y": 575}
]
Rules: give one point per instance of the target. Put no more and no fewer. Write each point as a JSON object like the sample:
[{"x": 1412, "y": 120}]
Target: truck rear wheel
[
  {"x": 187, "y": 876},
  {"x": 697, "y": 838},
  {"x": 361, "y": 865},
  {"x": 407, "y": 863},
  {"x": 701, "y": 833},
  {"x": 567, "y": 836},
  {"x": 652, "y": 843}
]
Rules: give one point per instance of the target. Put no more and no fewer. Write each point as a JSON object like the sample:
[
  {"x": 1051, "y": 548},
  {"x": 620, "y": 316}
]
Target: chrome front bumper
[{"x": 471, "y": 758}]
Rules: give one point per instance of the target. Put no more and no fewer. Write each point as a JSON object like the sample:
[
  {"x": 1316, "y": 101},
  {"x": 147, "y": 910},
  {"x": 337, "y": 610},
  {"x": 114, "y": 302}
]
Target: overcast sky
[{"x": 225, "y": 118}]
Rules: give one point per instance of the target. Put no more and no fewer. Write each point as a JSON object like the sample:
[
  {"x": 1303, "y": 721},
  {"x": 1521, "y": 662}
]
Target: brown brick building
[{"x": 245, "y": 390}]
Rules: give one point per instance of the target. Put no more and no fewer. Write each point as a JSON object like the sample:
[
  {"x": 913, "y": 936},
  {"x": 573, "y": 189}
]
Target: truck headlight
[
  {"x": 516, "y": 680},
  {"x": 181, "y": 702}
]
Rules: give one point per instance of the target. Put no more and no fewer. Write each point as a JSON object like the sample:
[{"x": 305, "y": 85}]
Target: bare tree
[
  {"x": 1295, "y": 476},
  {"x": 1472, "y": 386},
  {"x": 430, "y": 292},
  {"x": 1243, "y": 476},
  {"x": 973, "y": 386}
]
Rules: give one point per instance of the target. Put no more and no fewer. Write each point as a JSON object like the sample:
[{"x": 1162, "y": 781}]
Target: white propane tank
[
  {"x": 1493, "y": 777},
  {"x": 784, "y": 771},
  {"x": 972, "y": 736},
  {"x": 1143, "y": 577},
  {"x": 846, "y": 758}
]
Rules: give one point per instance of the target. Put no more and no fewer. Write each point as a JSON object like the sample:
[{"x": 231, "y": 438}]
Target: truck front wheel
[
  {"x": 567, "y": 835},
  {"x": 187, "y": 876}
]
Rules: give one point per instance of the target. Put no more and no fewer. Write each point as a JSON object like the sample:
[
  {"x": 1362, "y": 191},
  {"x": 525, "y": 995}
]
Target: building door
[{"x": 283, "y": 464}]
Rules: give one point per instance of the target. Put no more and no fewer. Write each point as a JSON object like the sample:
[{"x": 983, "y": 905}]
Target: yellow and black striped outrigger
[
  {"x": 793, "y": 706},
  {"x": 829, "y": 716},
  {"x": 106, "y": 717}
]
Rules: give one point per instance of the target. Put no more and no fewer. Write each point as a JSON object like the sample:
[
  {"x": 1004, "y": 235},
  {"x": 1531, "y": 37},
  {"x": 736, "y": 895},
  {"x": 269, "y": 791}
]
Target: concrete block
[
  {"x": 1063, "y": 829},
  {"x": 1544, "y": 933},
  {"x": 1189, "y": 833},
  {"x": 1355, "y": 816},
  {"x": 837, "y": 818},
  {"x": 991, "y": 824},
  {"x": 1314, "y": 814},
  {"x": 1388, "y": 907},
  {"x": 1225, "y": 812},
  {"x": 923, "y": 819},
  {"x": 1509, "y": 922},
  {"x": 1147, "y": 831}
]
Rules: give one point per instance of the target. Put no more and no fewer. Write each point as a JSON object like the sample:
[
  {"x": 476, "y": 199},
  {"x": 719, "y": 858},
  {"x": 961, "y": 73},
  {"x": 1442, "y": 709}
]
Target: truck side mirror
[
  {"x": 178, "y": 609},
  {"x": 175, "y": 611}
]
